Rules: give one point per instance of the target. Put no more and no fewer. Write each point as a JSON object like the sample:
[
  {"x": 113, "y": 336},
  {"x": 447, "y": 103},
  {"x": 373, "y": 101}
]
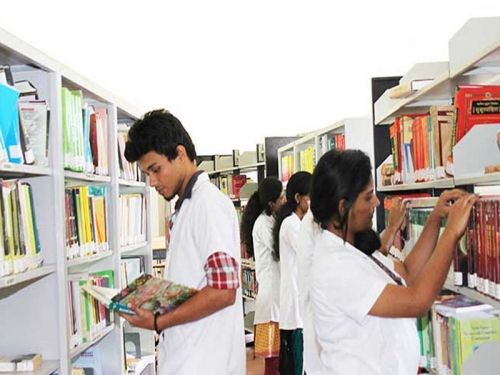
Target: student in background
[
  {"x": 257, "y": 224},
  {"x": 364, "y": 312},
  {"x": 285, "y": 233},
  {"x": 308, "y": 233},
  {"x": 205, "y": 335}
]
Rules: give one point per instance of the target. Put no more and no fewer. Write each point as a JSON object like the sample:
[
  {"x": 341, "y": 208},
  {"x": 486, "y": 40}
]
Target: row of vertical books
[
  {"x": 24, "y": 122},
  {"x": 248, "y": 279},
  {"x": 307, "y": 159},
  {"x": 453, "y": 330},
  {"x": 287, "y": 167},
  {"x": 20, "y": 248},
  {"x": 87, "y": 317},
  {"x": 422, "y": 143},
  {"x": 421, "y": 146},
  {"x": 230, "y": 184},
  {"x": 131, "y": 266},
  {"x": 85, "y": 134},
  {"x": 331, "y": 141},
  {"x": 476, "y": 262},
  {"x": 128, "y": 171},
  {"x": 479, "y": 267},
  {"x": 86, "y": 221},
  {"x": 132, "y": 219}
]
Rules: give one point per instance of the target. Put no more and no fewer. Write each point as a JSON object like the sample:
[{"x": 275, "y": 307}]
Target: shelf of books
[
  {"x": 303, "y": 153},
  {"x": 62, "y": 186},
  {"x": 231, "y": 172},
  {"x": 454, "y": 141}
]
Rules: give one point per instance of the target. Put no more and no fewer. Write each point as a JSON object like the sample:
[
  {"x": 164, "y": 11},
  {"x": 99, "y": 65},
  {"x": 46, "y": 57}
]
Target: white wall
[{"x": 263, "y": 67}]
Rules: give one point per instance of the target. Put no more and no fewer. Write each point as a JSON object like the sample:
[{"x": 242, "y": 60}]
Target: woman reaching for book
[{"x": 363, "y": 311}]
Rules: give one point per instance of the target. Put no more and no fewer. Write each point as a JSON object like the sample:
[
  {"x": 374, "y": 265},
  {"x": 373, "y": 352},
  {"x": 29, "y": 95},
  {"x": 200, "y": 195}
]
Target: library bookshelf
[{"x": 35, "y": 310}]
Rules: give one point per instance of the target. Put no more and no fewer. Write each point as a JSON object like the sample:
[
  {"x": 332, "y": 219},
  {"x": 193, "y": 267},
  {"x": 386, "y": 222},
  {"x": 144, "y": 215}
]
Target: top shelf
[
  {"x": 310, "y": 138},
  {"x": 239, "y": 168},
  {"x": 467, "y": 54},
  {"x": 23, "y": 170},
  {"x": 438, "y": 92},
  {"x": 14, "y": 51},
  {"x": 470, "y": 62}
]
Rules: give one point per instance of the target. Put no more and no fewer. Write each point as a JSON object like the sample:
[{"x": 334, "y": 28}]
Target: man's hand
[{"x": 142, "y": 318}]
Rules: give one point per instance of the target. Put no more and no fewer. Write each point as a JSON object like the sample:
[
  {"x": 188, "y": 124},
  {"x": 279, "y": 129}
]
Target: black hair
[
  {"x": 158, "y": 131},
  {"x": 338, "y": 175},
  {"x": 368, "y": 241},
  {"x": 269, "y": 190},
  {"x": 300, "y": 183}
]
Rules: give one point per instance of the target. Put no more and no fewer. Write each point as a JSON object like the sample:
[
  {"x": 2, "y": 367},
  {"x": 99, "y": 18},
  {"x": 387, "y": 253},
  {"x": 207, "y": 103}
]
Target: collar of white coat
[
  {"x": 339, "y": 244},
  {"x": 193, "y": 183}
]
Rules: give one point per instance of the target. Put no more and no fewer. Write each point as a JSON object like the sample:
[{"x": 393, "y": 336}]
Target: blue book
[{"x": 9, "y": 124}]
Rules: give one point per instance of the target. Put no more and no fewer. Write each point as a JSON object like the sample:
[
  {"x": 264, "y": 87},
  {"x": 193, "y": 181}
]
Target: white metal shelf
[
  {"x": 467, "y": 54},
  {"x": 98, "y": 337},
  {"x": 473, "y": 294},
  {"x": 444, "y": 183},
  {"x": 482, "y": 180},
  {"x": 242, "y": 167},
  {"x": 23, "y": 170},
  {"x": 129, "y": 248},
  {"x": 70, "y": 175},
  {"x": 11, "y": 280},
  {"x": 14, "y": 51},
  {"x": 88, "y": 259},
  {"x": 438, "y": 92},
  {"x": 131, "y": 183},
  {"x": 47, "y": 368}
]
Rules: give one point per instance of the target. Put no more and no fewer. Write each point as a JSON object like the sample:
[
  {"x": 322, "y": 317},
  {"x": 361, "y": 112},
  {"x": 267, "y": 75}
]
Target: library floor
[{"x": 255, "y": 366}]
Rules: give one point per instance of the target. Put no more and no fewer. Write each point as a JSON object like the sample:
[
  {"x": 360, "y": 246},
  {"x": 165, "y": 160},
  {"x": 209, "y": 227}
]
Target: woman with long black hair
[
  {"x": 364, "y": 312},
  {"x": 257, "y": 233},
  {"x": 285, "y": 232}
]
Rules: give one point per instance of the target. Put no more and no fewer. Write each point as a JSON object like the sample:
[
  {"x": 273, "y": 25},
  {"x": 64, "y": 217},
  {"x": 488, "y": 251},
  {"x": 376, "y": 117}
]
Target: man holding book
[{"x": 205, "y": 334}]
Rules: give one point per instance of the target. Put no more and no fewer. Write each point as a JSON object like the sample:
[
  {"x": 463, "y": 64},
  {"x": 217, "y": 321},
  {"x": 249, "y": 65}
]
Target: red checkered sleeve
[{"x": 223, "y": 271}]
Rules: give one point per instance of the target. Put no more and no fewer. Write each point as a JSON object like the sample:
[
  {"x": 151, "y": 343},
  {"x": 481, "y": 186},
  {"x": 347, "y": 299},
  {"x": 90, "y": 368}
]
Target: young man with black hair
[{"x": 205, "y": 335}]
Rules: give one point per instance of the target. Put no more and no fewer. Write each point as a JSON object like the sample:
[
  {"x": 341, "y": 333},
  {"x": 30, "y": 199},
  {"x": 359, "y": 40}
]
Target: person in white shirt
[
  {"x": 204, "y": 335},
  {"x": 308, "y": 233},
  {"x": 364, "y": 313},
  {"x": 257, "y": 224},
  {"x": 285, "y": 233}
]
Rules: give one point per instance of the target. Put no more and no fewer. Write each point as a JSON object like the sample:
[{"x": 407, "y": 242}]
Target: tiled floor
[{"x": 255, "y": 366}]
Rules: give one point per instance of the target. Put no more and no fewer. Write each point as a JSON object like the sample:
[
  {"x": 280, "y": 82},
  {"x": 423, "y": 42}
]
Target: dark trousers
[{"x": 291, "y": 352}]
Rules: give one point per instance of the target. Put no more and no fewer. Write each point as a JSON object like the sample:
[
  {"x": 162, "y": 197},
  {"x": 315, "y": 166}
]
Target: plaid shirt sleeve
[{"x": 222, "y": 271}]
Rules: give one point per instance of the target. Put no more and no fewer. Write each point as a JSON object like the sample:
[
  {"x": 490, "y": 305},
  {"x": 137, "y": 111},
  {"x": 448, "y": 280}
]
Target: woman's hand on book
[
  {"x": 143, "y": 318},
  {"x": 458, "y": 216},
  {"x": 445, "y": 201}
]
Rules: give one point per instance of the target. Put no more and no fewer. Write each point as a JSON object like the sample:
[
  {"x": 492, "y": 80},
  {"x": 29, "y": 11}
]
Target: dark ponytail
[
  {"x": 269, "y": 190},
  {"x": 299, "y": 183}
]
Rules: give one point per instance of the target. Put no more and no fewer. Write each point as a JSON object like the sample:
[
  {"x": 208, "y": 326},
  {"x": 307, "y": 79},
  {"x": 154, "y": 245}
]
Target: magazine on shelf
[{"x": 146, "y": 292}]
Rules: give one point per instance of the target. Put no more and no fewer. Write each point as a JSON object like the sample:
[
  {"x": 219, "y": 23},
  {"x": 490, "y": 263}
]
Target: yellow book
[{"x": 100, "y": 219}]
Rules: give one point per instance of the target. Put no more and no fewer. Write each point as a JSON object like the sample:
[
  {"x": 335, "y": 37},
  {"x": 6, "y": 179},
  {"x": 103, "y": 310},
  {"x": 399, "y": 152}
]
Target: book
[
  {"x": 147, "y": 292},
  {"x": 460, "y": 304},
  {"x": 23, "y": 362},
  {"x": 9, "y": 125}
]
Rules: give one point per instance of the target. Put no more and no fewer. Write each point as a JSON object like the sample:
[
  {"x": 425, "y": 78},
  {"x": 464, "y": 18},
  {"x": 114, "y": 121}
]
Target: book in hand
[{"x": 146, "y": 292}]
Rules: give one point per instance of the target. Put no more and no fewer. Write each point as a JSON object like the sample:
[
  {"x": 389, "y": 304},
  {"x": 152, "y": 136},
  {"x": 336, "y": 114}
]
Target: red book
[
  {"x": 237, "y": 182},
  {"x": 476, "y": 105}
]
